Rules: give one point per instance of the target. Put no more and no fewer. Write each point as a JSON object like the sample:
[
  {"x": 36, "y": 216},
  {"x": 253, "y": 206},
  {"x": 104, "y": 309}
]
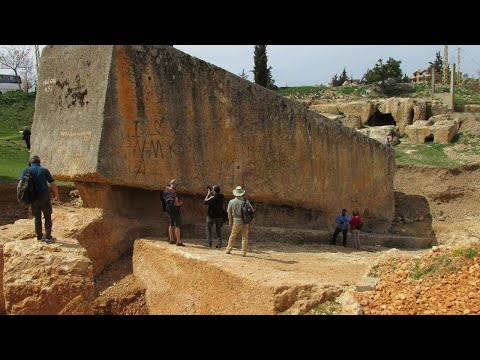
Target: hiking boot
[
  {"x": 41, "y": 239},
  {"x": 50, "y": 240},
  {"x": 180, "y": 244}
]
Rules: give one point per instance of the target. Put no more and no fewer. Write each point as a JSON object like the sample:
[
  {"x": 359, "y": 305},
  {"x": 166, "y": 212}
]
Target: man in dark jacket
[
  {"x": 215, "y": 202},
  {"x": 41, "y": 204},
  {"x": 26, "y": 136}
]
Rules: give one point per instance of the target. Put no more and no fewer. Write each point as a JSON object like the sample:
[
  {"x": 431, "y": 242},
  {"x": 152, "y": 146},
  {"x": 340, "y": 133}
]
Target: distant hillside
[
  {"x": 467, "y": 93},
  {"x": 16, "y": 110}
]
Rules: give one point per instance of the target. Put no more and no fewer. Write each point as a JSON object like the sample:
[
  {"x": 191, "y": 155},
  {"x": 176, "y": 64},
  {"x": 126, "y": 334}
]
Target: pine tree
[
  {"x": 438, "y": 63},
  {"x": 343, "y": 77},
  {"x": 261, "y": 72}
]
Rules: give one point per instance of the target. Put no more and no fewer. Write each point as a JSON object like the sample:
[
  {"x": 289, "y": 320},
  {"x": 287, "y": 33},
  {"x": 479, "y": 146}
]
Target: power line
[{"x": 471, "y": 58}]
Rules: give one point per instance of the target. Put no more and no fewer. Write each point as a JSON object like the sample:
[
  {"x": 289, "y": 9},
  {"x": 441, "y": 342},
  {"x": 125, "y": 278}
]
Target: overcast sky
[{"x": 295, "y": 65}]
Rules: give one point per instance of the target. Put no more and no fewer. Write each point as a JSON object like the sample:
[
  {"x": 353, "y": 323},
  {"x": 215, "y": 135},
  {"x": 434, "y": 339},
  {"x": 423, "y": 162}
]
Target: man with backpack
[
  {"x": 172, "y": 207},
  {"x": 41, "y": 203},
  {"x": 237, "y": 221}
]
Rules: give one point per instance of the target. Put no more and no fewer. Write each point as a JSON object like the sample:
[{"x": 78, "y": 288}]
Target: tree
[
  {"x": 438, "y": 63},
  {"x": 335, "y": 81},
  {"x": 28, "y": 75},
  {"x": 271, "y": 82},
  {"x": 15, "y": 57},
  {"x": 343, "y": 77},
  {"x": 388, "y": 72},
  {"x": 243, "y": 75},
  {"x": 262, "y": 74},
  {"x": 339, "y": 80}
]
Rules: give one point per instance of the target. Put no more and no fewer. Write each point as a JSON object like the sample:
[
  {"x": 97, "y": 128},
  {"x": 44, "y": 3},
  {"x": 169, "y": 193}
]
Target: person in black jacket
[
  {"x": 26, "y": 136},
  {"x": 215, "y": 201}
]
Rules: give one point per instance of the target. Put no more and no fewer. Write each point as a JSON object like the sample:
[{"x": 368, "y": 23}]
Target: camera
[{"x": 209, "y": 187}]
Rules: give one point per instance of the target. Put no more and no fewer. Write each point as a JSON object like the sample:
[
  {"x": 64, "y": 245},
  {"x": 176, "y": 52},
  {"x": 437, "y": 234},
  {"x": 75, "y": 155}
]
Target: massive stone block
[{"x": 140, "y": 115}]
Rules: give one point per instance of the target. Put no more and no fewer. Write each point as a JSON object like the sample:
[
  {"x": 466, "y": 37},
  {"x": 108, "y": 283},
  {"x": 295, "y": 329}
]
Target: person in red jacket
[{"x": 354, "y": 228}]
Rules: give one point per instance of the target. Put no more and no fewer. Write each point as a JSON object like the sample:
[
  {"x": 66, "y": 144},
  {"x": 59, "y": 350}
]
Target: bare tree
[
  {"x": 14, "y": 57},
  {"x": 28, "y": 75}
]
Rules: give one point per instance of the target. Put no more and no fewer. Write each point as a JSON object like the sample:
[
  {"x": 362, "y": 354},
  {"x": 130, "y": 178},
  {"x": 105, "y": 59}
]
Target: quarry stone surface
[
  {"x": 138, "y": 116},
  {"x": 46, "y": 279}
]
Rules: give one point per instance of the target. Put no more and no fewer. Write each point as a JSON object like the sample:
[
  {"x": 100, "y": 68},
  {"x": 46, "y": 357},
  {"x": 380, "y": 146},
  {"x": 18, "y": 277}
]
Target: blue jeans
[{"x": 218, "y": 227}]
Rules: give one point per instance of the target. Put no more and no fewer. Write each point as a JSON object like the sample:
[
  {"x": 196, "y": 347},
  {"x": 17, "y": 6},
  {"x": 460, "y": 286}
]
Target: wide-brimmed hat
[{"x": 238, "y": 191}]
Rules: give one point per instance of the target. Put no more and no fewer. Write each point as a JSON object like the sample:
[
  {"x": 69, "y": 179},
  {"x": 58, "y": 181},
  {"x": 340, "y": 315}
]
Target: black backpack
[
  {"x": 26, "y": 191},
  {"x": 247, "y": 212},
  {"x": 170, "y": 207}
]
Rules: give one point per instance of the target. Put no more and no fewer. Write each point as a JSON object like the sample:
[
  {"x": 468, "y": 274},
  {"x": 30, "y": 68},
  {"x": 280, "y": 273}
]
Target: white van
[{"x": 9, "y": 82}]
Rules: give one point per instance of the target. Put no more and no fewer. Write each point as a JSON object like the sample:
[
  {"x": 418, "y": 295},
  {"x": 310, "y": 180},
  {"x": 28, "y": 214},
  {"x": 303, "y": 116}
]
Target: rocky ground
[{"x": 444, "y": 280}]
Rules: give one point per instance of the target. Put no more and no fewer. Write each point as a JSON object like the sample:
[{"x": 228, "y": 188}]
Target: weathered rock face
[
  {"x": 441, "y": 132},
  {"x": 140, "y": 115},
  {"x": 362, "y": 109},
  {"x": 46, "y": 279},
  {"x": 380, "y": 133}
]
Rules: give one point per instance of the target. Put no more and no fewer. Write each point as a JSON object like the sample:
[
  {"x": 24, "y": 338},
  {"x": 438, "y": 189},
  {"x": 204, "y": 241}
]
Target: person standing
[
  {"x": 26, "y": 136},
  {"x": 41, "y": 204},
  {"x": 215, "y": 201},
  {"x": 235, "y": 221},
  {"x": 173, "y": 204},
  {"x": 354, "y": 228},
  {"x": 342, "y": 221}
]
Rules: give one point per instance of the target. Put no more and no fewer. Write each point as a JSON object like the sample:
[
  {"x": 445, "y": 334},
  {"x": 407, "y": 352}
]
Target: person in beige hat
[{"x": 235, "y": 221}]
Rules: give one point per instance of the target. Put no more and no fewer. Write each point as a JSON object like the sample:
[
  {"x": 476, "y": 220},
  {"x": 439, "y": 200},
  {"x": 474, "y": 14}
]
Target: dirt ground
[{"x": 441, "y": 202}]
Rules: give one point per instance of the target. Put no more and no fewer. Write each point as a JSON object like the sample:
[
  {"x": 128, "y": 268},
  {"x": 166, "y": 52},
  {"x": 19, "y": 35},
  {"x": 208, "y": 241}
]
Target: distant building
[
  {"x": 425, "y": 77},
  {"x": 9, "y": 82}
]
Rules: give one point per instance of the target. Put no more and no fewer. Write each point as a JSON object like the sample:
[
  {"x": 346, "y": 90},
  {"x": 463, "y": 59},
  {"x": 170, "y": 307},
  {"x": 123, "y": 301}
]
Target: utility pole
[
  {"x": 445, "y": 65},
  {"x": 452, "y": 88},
  {"x": 37, "y": 56},
  {"x": 433, "y": 80},
  {"x": 459, "y": 75}
]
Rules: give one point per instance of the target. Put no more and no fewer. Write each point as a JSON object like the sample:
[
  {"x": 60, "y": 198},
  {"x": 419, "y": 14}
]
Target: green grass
[
  {"x": 16, "y": 111},
  {"x": 469, "y": 253},
  {"x": 302, "y": 91},
  {"x": 326, "y": 308},
  {"x": 464, "y": 95},
  {"x": 423, "y": 154},
  {"x": 14, "y": 156}
]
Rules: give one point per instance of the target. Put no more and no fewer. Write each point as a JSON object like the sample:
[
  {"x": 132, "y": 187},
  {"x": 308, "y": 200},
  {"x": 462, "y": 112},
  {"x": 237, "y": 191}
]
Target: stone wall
[{"x": 138, "y": 116}]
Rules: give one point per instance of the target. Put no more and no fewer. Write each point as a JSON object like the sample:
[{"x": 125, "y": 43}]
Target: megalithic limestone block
[{"x": 139, "y": 116}]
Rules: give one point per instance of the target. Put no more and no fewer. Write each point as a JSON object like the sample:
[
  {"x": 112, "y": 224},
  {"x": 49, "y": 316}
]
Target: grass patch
[
  {"x": 439, "y": 263},
  {"x": 326, "y": 308},
  {"x": 16, "y": 111},
  {"x": 302, "y": 91},
  {"x": 469, "y": 253},
  {"x": 14, "y": 156},
  {"x": 423, "y": 154},
  {"x": 470, "y": 142}
]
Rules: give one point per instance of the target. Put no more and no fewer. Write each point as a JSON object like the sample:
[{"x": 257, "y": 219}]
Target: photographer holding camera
[
  {"x": 215, "y": 201},
  {"x": 342, "y": 220}
]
